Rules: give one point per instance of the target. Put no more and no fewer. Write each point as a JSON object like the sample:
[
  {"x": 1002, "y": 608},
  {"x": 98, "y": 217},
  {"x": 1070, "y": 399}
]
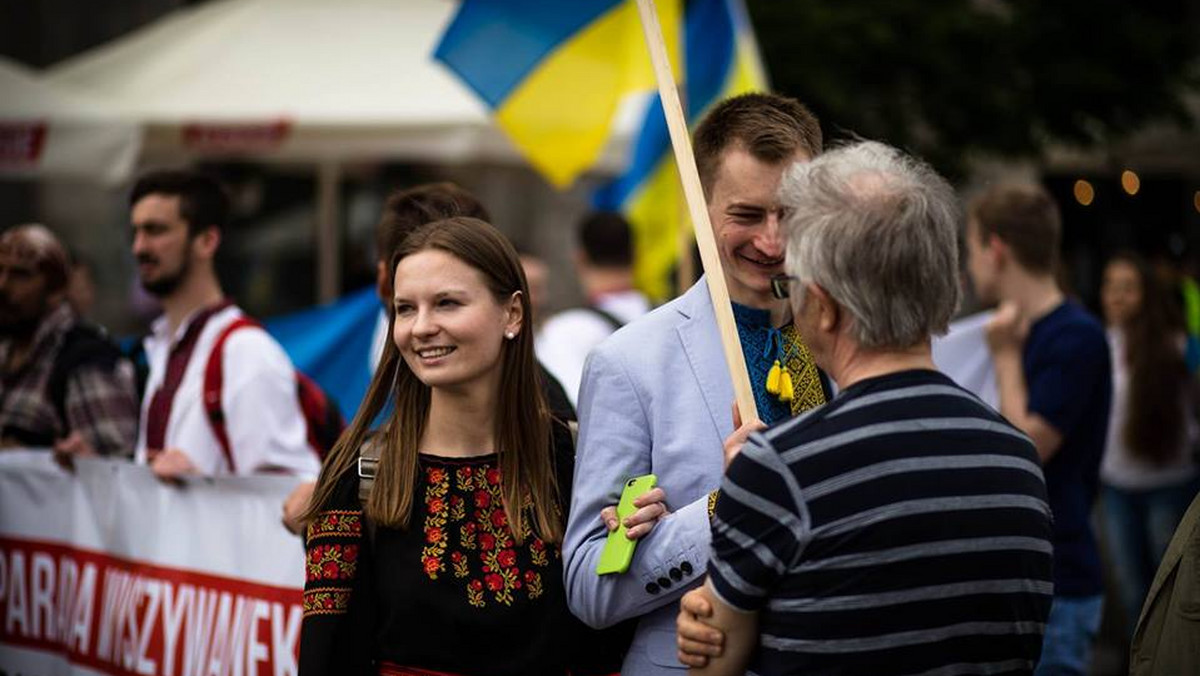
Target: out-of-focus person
[
  {"x": 81, "y": 289},
  {"x": 451, "y": 563},
  {"x": 63, "y": 383},
  {"x": 1054, "y": 379},
  {"x": 1149, "y": 474},
  {"x": 903, "y": 528},
  {"x": 257, "y": 425},
  {"x": 604, "y": 263}
]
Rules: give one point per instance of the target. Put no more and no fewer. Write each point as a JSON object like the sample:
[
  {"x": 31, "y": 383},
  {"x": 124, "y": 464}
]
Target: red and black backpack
[{"x": 322, "y": 418}]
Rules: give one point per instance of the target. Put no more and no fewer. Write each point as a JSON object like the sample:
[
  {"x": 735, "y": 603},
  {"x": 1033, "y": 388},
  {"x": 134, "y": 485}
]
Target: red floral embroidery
[
  {"x": 475, "y": 593},
  {"x": 326, "y": 601},
  {"x": 431, "y": 565},
  {"x": 459, "y": 562},
  {"x": 482, "y": 499},
  {"x": 331, "y": 562},
  {"x": 486, "y": 546},
  {"x": 537, "y": 553},
  {"x": 507, "y": 558},
  {"x": 463, "y": 478},
  {"x": 336, "y": 523},
  {"x": 435, "y": 521},
  {"x": 494, "y": 582}
]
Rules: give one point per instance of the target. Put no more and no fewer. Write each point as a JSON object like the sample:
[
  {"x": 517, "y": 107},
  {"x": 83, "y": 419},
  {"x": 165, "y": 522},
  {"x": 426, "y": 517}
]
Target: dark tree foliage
[{"x": 952, "y": 78}]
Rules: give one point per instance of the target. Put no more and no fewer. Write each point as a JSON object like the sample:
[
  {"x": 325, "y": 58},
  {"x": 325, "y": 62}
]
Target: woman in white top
[{"x": 1149, "y": 472}]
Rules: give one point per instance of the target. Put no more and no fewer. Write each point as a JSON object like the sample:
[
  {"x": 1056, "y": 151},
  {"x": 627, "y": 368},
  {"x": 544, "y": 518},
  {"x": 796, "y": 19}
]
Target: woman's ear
[{"x": 515, "y": 315}]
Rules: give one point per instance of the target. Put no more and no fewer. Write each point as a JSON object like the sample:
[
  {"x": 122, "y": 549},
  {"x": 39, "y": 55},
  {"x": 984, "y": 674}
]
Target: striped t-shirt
[{"x": 901, "y": 529}]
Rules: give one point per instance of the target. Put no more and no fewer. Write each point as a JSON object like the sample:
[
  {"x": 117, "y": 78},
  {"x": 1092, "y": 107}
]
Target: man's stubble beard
[{"x": 168, "y": 284}]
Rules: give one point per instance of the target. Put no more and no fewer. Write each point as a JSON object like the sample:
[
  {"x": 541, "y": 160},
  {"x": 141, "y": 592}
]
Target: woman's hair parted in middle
[{"x": 522, "y": 419}]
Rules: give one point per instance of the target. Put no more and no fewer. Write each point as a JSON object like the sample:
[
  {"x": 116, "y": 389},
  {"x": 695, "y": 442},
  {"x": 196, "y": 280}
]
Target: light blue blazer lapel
[{"x": 702, "y": 345}]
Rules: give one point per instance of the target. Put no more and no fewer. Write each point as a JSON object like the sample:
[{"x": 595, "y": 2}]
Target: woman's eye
[
  {"x": 448, "y": 302},
  {"x": 403, "y": 309}
]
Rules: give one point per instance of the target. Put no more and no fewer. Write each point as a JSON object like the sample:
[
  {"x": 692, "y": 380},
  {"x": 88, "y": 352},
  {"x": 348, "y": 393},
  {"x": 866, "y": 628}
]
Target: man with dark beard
[
  {"x": 252, "y": 421},
  {"x": 62, "y": 382}
]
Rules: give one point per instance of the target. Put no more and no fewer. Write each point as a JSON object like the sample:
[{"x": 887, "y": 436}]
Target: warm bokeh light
[
  {"x": 1084, "y": 192},
  {"x": 1130, "y": 182},
  {"x": 1196, "y": 200}
]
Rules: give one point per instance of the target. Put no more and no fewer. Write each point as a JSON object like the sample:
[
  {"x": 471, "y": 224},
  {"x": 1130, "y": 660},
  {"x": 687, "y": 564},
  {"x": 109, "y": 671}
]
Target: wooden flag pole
[{"x": 692, "y": 190}]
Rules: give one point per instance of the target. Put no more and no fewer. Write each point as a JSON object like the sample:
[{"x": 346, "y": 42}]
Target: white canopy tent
[
  {"x": 301, "y": 81},
  {"x": 48, "y": 132},
  {"x": 291, "y": 80}
]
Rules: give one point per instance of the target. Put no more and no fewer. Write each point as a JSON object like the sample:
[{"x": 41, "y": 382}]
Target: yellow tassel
[
  {"x": 773, "y": 378},
  {"x": 785, "y": 386}
]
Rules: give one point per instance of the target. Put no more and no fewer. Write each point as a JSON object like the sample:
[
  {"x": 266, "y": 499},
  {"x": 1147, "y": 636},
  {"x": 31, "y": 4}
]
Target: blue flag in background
[
  {"x": 721, "y": 60},
  {"x": 554, "y": 73},
  {"x": 332, "y": 344}
]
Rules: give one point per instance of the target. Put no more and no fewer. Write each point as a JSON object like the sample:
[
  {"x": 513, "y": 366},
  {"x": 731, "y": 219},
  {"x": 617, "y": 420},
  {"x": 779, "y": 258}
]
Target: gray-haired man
[{"x": 903, "y": 527}]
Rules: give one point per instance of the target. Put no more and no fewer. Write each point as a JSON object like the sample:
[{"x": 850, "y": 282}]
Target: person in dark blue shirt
[{"x": 1054, "y": 378}]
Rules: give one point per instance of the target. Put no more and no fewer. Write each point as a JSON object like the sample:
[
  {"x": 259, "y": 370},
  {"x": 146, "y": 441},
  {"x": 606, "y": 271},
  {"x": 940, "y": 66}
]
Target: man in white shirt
[
  {"x": 177, "y": 219},
  {"x": 604, "y": 261}
]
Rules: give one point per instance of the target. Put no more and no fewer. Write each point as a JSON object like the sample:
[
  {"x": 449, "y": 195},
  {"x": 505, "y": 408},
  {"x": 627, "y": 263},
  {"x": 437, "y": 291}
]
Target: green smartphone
[{"x": 618, "y": 549}]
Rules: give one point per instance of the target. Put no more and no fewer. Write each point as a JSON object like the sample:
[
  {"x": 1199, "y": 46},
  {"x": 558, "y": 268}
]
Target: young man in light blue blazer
[{"x": 656, "y": 396}]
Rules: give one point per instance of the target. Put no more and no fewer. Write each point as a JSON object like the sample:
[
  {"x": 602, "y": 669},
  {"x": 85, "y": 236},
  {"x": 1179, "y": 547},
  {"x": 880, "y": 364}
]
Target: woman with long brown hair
[
  {"x": 1149, "y": 472},
  {"x": 451, "y": 565}
]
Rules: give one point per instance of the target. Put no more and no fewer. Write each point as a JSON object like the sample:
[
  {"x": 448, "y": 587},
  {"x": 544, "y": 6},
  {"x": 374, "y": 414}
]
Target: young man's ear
[
  {"x": 208, "y": 241},
  {"x": 997, "y": 249}
]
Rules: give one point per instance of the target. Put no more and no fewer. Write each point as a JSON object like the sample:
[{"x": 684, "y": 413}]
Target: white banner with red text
[{"x": 107, "y": 570}]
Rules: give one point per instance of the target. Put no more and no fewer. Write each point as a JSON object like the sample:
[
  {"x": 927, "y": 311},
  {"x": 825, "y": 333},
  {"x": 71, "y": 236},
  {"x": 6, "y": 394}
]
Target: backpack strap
[
  {"x": 607, "y": 316},
  {"x": 82, "y": 344},
  {"x": 368, "y": 467},
  {"x": 214, "y": 377}
]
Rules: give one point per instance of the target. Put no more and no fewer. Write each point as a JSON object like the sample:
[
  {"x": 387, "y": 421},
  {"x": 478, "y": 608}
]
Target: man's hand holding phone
[{"x": 640, "y": 507}]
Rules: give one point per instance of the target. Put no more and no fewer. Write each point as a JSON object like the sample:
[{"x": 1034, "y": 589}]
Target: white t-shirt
[
  {"x": 964, "y": 356},
  {"x": 564, "y": 341},
  {"x": 263, "y": 419}
]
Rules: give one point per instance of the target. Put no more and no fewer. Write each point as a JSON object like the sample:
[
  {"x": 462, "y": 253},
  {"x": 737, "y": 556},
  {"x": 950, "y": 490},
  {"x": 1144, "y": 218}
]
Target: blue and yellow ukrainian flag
[
  {"x": 721, "y": 60},
  {"x": 553, "y": 73}
]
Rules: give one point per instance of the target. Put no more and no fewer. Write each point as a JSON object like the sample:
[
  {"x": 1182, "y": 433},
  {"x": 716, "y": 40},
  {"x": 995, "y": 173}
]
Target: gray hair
[{"x": 878, "y": 230}]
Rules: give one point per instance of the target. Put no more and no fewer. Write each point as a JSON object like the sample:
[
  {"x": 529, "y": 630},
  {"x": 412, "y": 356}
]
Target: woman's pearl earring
[{"x": 510, "y": 335}]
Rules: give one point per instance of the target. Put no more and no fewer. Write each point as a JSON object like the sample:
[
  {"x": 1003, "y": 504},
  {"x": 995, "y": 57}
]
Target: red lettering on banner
[
  {"x": 131, "y": 618},
  {"x": 236, "y": 137},
  {"x": 21, "y": 143}
]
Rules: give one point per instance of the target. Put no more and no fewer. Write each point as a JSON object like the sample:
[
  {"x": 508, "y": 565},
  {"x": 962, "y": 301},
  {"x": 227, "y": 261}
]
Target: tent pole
[{"x": 328, "y": 240}]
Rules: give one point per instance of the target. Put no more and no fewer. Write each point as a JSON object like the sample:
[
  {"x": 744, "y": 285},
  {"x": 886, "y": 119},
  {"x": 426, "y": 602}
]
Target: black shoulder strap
[
  {"x": 607, "y": 316},
  {"x": 82, "y": 344}
]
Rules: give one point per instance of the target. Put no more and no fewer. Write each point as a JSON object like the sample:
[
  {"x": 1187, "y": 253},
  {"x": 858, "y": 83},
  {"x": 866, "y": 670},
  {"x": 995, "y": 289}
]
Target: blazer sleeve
[{"x": 616, "y": 443}]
